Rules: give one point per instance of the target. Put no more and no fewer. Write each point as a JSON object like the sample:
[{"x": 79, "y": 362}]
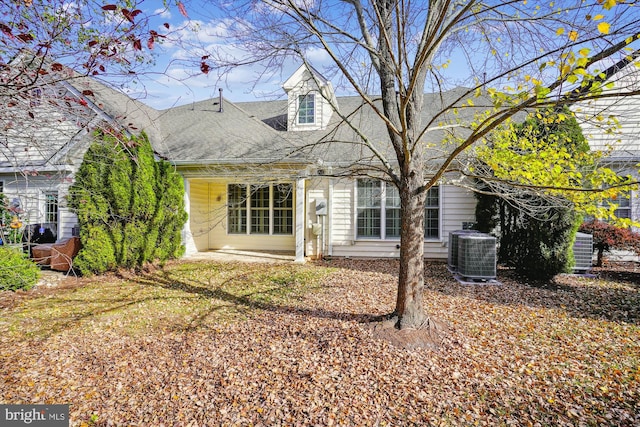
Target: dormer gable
[{"x": 310, "y": 98}]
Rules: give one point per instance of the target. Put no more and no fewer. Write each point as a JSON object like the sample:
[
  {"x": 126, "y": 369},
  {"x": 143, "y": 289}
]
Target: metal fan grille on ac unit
[
  {"x": 477, "y": 256},
  {"x": 583, "y": 252}
]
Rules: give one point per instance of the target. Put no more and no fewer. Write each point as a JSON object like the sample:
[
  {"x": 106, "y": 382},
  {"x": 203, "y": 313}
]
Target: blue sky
[
  {"x": 177, "y": 80},
  {"x": 174, "y": 81}
]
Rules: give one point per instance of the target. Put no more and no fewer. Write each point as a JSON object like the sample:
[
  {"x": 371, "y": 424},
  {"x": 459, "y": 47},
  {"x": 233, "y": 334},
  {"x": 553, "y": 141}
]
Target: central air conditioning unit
[
  {"x": 583, "y": 252},
  {"x": 477, "y": 256},
  {"x": 452, "y": 259}
]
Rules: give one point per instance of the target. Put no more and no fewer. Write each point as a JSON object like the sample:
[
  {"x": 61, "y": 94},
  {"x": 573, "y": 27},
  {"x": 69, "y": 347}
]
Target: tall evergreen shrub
[
  {"x": 130, "y": 207},
  {"x": 538, "y": 248}
]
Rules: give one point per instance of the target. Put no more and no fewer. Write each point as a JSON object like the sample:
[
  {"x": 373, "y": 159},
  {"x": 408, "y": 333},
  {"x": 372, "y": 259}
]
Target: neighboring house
[
  {"x": 43, "y": 141},
  {"x": 612, "y": 125}
]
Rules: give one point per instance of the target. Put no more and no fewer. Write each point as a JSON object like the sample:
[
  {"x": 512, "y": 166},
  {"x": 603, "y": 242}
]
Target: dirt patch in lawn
[{"x": 221, "y": 344}]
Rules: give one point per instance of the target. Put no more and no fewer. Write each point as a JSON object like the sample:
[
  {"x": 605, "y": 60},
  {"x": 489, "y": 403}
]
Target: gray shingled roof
[
  {"x": 249, "y": 132},
  {"x": 53, "y": 139},
  {"x": 201, "y": 133},
  {"x": 130, "y": 113},
  {"x": 335, "y": 144}
]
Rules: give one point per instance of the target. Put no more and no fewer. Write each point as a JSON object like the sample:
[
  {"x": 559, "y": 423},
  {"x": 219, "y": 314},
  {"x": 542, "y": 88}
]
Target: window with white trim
[
  {"x": 237, "y": 208},
  {"x": 267, "y": 208},
  {"x": 378, "y": 211},
  {"x": 260, "y": 208},
  {"x": 306, "y": 109},
  {"x": 36, "y": 97},
  {"x": 283, "y": 209},
  {"x": 432, "y": 214},
  {"x": 623, "y": 203},
  {"x": 51, "y": 207}
]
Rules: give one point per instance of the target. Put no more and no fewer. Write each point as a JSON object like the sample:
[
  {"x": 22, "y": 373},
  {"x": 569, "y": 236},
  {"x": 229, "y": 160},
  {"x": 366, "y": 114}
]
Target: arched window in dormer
[{"x": 306, "y": 109}]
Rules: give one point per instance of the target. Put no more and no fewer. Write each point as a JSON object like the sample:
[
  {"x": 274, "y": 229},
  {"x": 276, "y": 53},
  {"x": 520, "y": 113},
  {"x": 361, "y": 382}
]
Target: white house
[
  {"x": 266, "y": 175},
  {"x": 44, "y": 136},
  {"x": 275, "y": 176}
]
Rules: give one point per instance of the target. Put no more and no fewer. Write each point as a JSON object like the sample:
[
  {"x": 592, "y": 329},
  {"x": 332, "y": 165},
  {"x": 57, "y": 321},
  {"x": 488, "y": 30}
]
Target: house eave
[
  {"x": 236, "y": 161},
  {"x": 37, "y": 169}
]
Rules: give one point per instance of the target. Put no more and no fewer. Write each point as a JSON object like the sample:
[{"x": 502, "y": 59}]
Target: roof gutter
[
  {"x": 39, "y": 169},
  {"x": 236, "y": 161}
]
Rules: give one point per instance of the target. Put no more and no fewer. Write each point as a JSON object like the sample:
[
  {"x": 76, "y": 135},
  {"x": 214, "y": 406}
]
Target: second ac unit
[
  {"x": 452, "y": 259},
  {"x": 583, "y": 252}
]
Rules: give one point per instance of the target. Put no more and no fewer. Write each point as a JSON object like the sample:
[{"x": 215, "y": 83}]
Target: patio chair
[{"x": 58, "y": 256}]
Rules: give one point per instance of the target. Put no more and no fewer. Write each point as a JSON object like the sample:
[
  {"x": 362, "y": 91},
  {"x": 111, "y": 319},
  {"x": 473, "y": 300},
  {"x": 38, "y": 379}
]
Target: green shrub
[
  {"x": 16, "y": 271},
  {"x": 130, "y": 208},
  {"x": 539, "y": 248}
]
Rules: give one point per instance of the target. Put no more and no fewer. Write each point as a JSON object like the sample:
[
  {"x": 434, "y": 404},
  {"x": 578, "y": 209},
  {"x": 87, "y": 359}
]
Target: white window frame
[
  {"x": 302, "y": 97},
  {"x": 383, "y": 215},
  {"x": 46, "y": 213},
  {"x": 247, "y": 207},
  {"x": 439, "y": 236},
  {"x": 263, "y": 227},
  {"x": 36, "y": 97},
  {"x": 283, "y": 210},
  {"x": 628, "y": 205}
]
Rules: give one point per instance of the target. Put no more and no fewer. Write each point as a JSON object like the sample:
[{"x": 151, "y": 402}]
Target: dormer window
[
  {"x": 306, "y": 109},
  {"x": 310, "y": 100}
]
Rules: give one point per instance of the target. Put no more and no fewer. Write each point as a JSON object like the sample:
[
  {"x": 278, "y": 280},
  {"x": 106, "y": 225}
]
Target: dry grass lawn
[{"x": 199, "y": 344}]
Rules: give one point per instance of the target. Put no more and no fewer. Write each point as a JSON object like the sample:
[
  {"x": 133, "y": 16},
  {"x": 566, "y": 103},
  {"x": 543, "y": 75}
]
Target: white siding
[
  {"x": 67, "y": 219},
  {"x": 594, "y": 116},
  {"x": 317, "y": 189},
  {"x": 456, "y": 206},
  {"x": 342, "y": 217},
  {"x": 30, "y": 191}
]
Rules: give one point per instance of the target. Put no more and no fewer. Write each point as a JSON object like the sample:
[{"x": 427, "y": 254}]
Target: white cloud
[
  {"x": 163, "y": 13},
  {"x": 178, "y": 79},
  {"x": 318, "y": 57}
]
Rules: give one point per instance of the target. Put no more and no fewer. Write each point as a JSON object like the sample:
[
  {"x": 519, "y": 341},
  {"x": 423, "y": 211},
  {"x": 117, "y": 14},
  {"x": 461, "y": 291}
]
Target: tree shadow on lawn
[
  {"x": 430, "y": 336},
  {"x": 613, "y": 295},
  {"x": 45, "y": 312},
  {"x": 621, "y": 272},
  {"x": 612, "y": 300},
  {"x": 244, "y": 304}
]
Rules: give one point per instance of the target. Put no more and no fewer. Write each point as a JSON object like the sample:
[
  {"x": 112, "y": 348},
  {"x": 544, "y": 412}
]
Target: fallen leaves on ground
[{"x": 564, "y": 353}]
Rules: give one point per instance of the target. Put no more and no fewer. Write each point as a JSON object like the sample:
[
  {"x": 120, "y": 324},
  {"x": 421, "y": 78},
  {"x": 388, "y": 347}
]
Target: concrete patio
[{"x": 242, "y": 256}]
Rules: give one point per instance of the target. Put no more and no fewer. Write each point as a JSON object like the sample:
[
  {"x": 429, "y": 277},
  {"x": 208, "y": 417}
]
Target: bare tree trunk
[
  {"x": 409, "y": 303},
  {"x": 600, "y": 257}
]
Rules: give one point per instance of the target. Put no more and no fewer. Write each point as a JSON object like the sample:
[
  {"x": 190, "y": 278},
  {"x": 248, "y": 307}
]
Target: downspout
[{"x": 330, "y": 217}]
